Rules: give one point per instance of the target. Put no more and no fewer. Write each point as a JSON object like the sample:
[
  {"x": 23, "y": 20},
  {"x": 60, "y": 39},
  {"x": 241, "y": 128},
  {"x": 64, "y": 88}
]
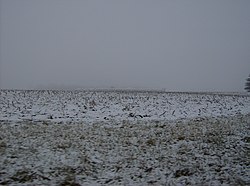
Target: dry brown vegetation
[{"x": 201, "y": 151}]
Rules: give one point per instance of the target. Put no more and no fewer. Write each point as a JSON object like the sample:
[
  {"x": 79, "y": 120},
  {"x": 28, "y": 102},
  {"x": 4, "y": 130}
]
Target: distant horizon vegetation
[{"x": 123, "y": 89}]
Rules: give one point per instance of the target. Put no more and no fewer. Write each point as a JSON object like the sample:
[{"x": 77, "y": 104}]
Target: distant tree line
[{"x": 247, "y": 85}]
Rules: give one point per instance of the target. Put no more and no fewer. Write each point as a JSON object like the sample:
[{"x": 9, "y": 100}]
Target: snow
[
  {"x": 91, "y": 106},
  {"x": 123, "y": 138}
]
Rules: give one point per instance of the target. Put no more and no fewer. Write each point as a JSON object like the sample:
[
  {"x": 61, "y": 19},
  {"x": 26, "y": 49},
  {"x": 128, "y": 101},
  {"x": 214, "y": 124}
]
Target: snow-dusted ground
[
  {"x": 93, "y": 106},
  {"x": 123, "y": 138}
]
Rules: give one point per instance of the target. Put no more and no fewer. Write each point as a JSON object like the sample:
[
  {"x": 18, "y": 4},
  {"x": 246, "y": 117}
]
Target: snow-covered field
[
  {"x": 94, "y": 106},
  {"x": 123, "y": 138}
]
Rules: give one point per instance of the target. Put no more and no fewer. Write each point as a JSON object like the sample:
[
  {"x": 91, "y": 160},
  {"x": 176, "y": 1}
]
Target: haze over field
[{"x": 194, "y": 45}]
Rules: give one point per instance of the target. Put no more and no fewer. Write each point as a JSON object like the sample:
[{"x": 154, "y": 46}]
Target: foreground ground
[
  {"x": 123, "y": 138},
  {"x": 194, "y": 152}
]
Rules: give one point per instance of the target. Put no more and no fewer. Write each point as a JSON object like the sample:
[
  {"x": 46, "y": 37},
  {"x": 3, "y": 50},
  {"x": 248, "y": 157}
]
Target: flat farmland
[
  {"x": 94, "y": 106},
  {"x": 123, "y": 138}
]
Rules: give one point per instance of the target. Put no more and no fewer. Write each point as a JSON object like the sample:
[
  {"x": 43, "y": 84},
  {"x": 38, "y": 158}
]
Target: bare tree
[{"x": 247, "y": 85}]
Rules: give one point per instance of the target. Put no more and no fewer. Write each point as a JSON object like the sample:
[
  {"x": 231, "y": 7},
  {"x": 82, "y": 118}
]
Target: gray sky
[{"x": 179, "y": 45}]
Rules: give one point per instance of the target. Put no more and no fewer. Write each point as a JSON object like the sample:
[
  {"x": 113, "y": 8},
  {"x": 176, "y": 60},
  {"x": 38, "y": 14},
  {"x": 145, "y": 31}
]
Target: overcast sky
[{"x": 177, "y": 45}]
